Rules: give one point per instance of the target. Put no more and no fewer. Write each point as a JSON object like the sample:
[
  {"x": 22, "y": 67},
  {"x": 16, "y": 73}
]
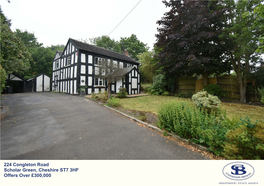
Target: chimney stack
[{"x": 126, "y": 52}]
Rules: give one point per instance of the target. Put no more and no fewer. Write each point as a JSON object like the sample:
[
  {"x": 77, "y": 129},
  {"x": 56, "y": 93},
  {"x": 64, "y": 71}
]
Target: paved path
[{"x": 60, "y": 126}]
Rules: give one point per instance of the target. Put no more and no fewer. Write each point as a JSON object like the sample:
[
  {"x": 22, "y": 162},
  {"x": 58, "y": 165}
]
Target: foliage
[
  {"x": 158, "y": 86},
  {"x": 142, "y": 116},
  {"x": 260, "y": 91},
  {"x": 101, "y": 96},
  {"x": 241, "y": 39},
  {"x": 113, "y": 102},
  {"x": 246, "y": 141},
  {"x": 145, "y": 87},
  {"x": 82, "y": 88},
  {"x": 14, "y": 56},
  {"x": 42, "y": 57},
  {"x": 188, "y": 38},
  {"x": 122, "y": 93},
  {"x": 148, "y": 66},
  {"x": 232, "y": 139},
  {"x": 166, "y": 93},
  {"x": 184, "y": 95},
  {"x": 259, "y": 22},
  {"x": 2, "y": 79},
  {"x": 107, "y": 43},
  {"x": 214, "y": 90},
  {"x": 206, "y": 102},
  {"x": 133, "y": 46}
]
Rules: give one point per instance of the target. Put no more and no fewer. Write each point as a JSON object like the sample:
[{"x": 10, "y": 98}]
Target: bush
[
  {"x": 260, "y": 91},
  {"x": 113, "y": 102},
  {"x": 214, "y": 90},
  {"x": 122, "y": 93},
  {"x": 100, "y": 96},
  {"x": 166, "y": 93},
  {"x": 206, "y": 102},
  {"x": 159, "y": 83},
  {"x": 246, "y": 141}
]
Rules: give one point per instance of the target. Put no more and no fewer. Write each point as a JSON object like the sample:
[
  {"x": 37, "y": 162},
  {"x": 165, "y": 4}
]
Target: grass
[{"x": 153, "y": 103}]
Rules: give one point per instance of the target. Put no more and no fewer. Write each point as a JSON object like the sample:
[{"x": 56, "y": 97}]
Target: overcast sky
[{"x": 54, "y": 21}]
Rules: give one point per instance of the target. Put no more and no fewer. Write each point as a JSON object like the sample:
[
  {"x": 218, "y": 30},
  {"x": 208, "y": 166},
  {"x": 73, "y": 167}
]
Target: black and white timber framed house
[{"x": 77, "y": 66}]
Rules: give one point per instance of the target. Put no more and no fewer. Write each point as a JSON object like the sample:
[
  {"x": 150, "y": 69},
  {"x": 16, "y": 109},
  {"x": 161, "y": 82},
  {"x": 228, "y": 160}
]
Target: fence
[{"x": 229, "y": 84}]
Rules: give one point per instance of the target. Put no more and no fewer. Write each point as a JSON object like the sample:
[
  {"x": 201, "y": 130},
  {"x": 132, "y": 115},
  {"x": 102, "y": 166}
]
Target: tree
[
  {"x": 259, "y": 23},
  {"x": 14, "y": 54},
  {"x": 133, "y": 46},
  {"x": 148, "y": 65},
  {"x": 188, "y": 39},
  {"x": 241, "y": 38},
  {"x": 107, "y": 43},
  {"x": 42, "y": 57}
]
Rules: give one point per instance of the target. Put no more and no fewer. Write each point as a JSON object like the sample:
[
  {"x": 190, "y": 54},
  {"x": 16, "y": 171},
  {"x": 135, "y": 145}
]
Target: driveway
[{"x": 61, "y": 126}]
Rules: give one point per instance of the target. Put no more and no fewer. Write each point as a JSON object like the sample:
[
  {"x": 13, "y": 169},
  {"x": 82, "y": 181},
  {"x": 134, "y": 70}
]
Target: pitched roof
[
  {"x": 120, "y": 72},
  {"x": 102, "y": 51}
]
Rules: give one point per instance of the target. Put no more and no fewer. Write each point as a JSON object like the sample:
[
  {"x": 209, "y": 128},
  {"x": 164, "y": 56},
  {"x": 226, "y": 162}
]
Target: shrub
[
  {"x": 205, "y": 101},
  {"x": 122, "y": 93},
  {"x": 166, "y": 93},
  {"x": 260, "y": 91},
  {"x": 142, "y": 116},
  {"x": 246, "y": 141},
  {"x": 113, "y": 102},
  {"x": 214, "y": 90},
  {"x": 158, "y": 86}
]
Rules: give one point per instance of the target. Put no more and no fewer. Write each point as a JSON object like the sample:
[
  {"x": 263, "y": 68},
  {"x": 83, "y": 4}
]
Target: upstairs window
[
  {"x": 68, "y": 62},
  {"x": 98, "y": 61},
  {"x": 57, "y": 64}
]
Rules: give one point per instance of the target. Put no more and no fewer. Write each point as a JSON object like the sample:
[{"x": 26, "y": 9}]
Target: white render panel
[
  {"x": 89, "y": 91},
  {"x": 135, "y": 73},
  {"x": 90, "y": 59},
  {"x": 138, "y": 77},
  {"x": 76, "y": 57},
  {"x": 112, "y": 87},
  {"x": 83, "y": 58},
  {"x": 75, "y": 71},
  {"x": 71, "y": 87},
  {"x": 96, "y": 90},
  {"x": 90, "y": 81},
  {"x": 129, "y": 77},
  {"x": 72, "y": 48},
  {"x": 39, "y": 84},
  {"x": 83, "y": 69},
  {"x": 60, "y": 86},
  {"x": 102, "y": 90},
  {"x": 134, "y": 83},
  {"x": 129, "y": 91},
  {"x": 90, "y": 69},
  {"x": 71, "y": 72},
  {"x": 118, "y": 85},
  {"x": 75, "y": 87},
  {"x": 46, "y": 83},
  {"x": 82, "y": 80}
]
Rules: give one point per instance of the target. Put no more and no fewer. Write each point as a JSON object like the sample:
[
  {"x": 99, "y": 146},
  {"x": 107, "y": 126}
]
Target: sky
[{"x": 55, "y": 21}]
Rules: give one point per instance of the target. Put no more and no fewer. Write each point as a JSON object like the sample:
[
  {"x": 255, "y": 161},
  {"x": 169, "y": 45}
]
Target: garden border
[{"x": 200, "y": 147}]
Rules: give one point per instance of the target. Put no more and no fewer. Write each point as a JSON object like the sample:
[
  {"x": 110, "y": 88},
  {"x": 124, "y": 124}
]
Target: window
[
  {"x": 68, "y": 62},
  {"x": 99, "y": 82},
  {"x": 98, "y": 61},
  {"x": 56, "y": 80},
  {"x": 57, "y": 64}
]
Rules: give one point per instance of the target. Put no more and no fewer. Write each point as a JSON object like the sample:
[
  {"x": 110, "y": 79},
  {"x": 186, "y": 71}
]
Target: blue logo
[{"x": 238, "y": 171}]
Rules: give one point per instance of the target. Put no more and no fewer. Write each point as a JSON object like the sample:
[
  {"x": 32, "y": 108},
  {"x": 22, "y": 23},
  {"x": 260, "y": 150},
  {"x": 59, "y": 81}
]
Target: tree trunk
[
  {"x": 240, "y": 81},
  {"x": 109, "y": 90},
  {"x": 205, "y": 78}
]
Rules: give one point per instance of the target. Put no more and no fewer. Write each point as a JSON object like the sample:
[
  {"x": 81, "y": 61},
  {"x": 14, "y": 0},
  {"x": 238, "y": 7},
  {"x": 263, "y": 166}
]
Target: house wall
[{"x": 68, "y": 77}]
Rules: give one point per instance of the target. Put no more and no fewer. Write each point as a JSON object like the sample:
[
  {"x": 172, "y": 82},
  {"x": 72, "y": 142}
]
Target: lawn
[{"x": 153, "y": 103}]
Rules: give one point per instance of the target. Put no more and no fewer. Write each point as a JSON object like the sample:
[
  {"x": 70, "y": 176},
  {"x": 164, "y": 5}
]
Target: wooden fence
[{"x": 229, "y": 84}]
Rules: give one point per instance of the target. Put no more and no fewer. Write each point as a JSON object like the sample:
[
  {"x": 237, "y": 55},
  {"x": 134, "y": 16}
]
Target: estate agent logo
[{"x": 238, "y": 171}]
